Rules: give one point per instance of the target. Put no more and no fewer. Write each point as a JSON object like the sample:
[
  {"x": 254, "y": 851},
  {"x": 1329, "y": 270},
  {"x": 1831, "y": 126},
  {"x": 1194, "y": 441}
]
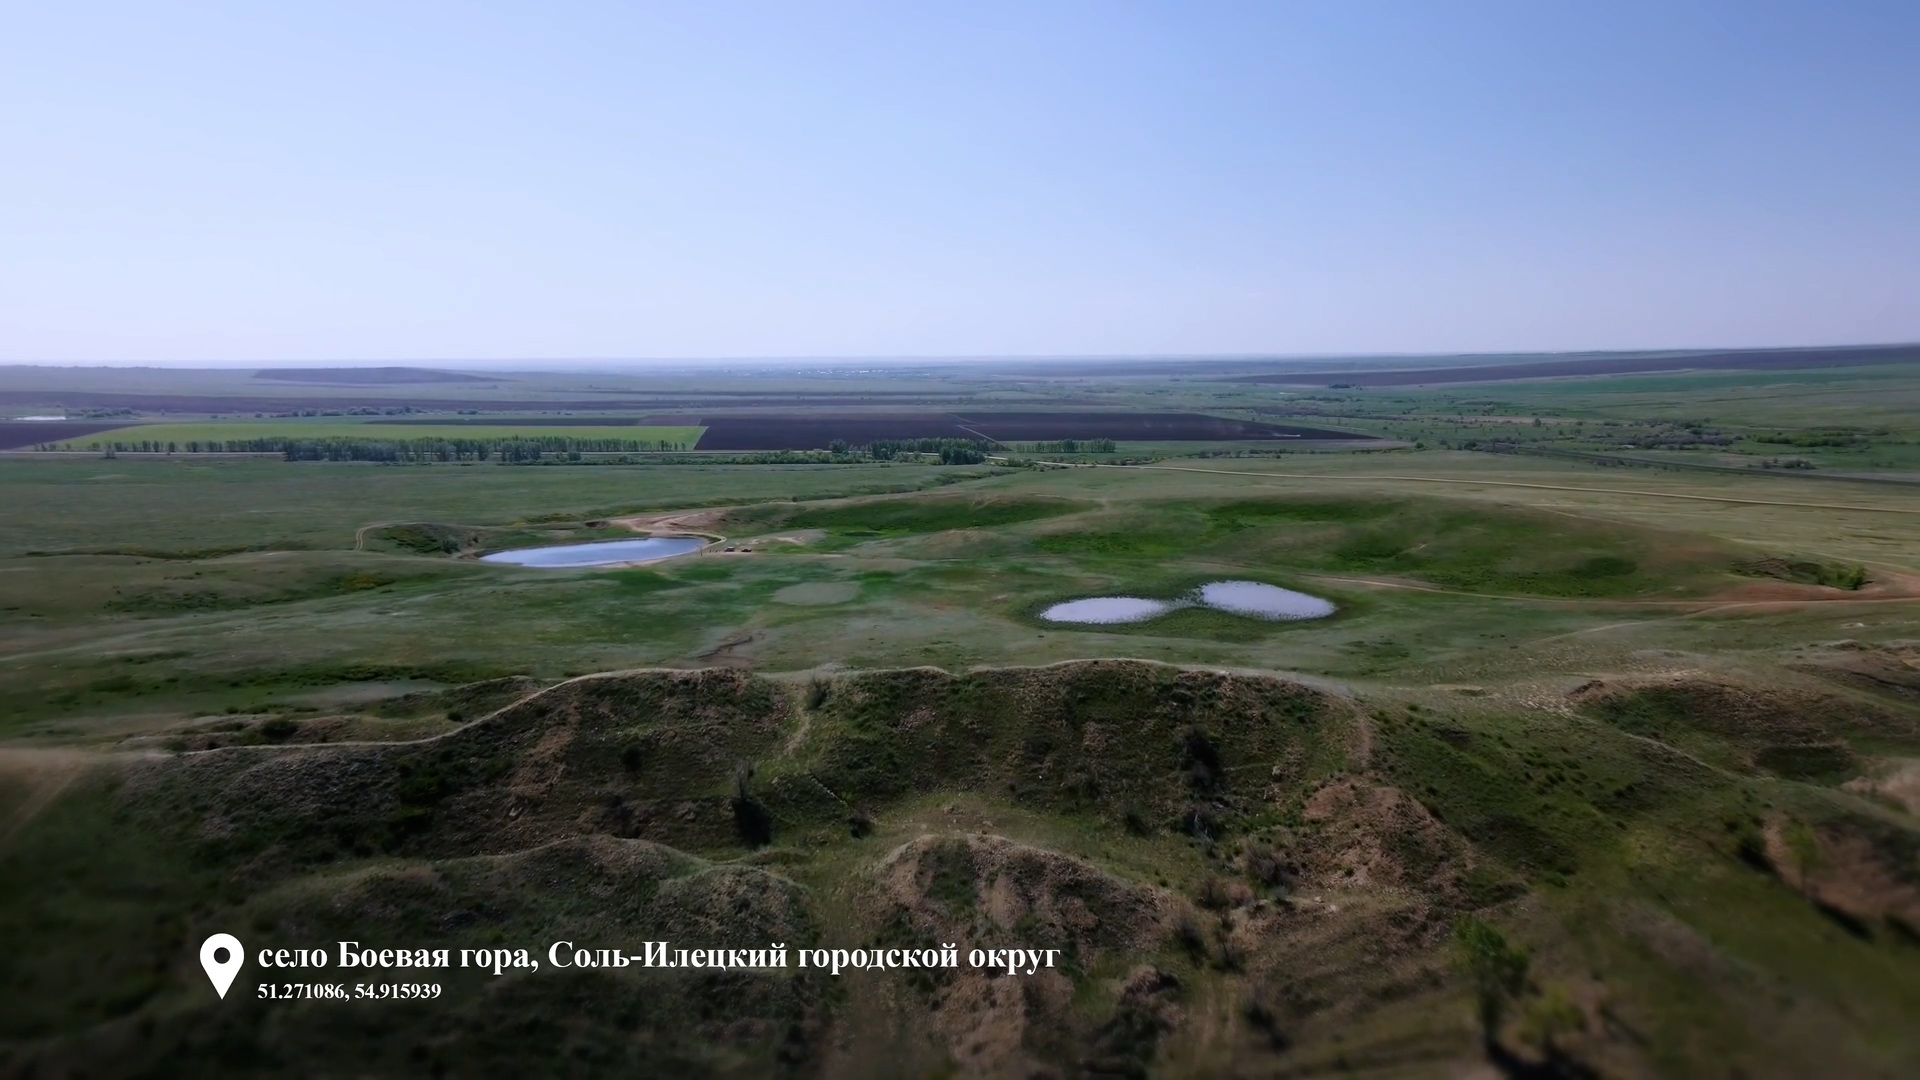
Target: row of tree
[
  {"x": 1070, "y": 446},
  {"x": 889, "y": 449},
  {"x": 952, "y": 452},
  {"x": 751, "y": 457}
]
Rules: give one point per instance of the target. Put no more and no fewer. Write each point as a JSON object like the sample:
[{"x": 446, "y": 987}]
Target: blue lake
[
  {"x": 599, "y": 552},
  {"x": 1263, "y": 601}
]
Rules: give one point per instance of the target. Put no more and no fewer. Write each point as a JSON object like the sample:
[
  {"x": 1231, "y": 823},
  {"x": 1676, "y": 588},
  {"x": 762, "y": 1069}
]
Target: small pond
[
  {"x": 1265, "y": 601},
  {"x": 600, "y": 552},
  {"x": 1107, "y": 609},
  {"x": 1260, "y": 600}
]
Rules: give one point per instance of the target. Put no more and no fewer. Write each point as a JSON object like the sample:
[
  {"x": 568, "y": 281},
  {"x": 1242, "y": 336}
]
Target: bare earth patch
[
  {"x": 1842, "y": 870},
  {"x": 1894, "y": 779}
]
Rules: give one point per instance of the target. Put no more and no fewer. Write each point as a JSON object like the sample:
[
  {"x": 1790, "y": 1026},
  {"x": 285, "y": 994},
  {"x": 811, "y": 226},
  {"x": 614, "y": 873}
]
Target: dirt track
[{"x": 693, "y": 522}]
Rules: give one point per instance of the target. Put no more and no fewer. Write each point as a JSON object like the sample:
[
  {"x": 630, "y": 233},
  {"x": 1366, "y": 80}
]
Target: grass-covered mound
[
  {"x": 590, "y": 810},
  {"x": 902, "y": 516},
  {"x": 1475, "y": 548},
  {"x": 1793, "y": 733},
  {"x": 692, "y": 759}
]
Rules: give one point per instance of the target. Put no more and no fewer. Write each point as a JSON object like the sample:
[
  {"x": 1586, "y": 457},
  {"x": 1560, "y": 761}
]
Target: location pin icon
[{"x": 222, "y": 956}]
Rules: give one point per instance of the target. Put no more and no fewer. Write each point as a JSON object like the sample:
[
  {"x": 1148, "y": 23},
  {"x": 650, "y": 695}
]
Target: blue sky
[{"x": 344, "y": 180}]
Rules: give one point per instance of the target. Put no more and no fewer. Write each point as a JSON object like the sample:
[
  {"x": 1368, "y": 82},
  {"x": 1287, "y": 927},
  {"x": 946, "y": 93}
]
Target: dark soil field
[
  {"x": 803, "y": 432},
  {"x": 1718, "y": 360},
  {"x": 17, "y": 434}
]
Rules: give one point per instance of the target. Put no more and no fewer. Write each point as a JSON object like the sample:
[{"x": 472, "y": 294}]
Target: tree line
[
  {"x": 1070, "y": 446},
  {"x": 951, "y": 451}
]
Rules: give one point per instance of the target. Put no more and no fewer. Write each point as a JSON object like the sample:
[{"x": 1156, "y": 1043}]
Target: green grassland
[
  {"x": 269, "y": 570},
  {"x": 199, "y": 509},
  {"x": 1650, "y": 725},
  {"x": 1843, "y": 421}
]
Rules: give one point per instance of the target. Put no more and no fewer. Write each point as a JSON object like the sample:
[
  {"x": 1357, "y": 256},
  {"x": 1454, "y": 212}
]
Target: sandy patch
[
  {"x": 696, "y": 522},
  {"x": 1843, "y": 871},
  {"x": 803, "y": 536}
]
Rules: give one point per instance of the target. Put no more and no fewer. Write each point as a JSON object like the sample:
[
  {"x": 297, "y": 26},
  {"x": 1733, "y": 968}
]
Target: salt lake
[
  {"x": 599, "y": 552},
  {"x": 1253, "y": 598}
]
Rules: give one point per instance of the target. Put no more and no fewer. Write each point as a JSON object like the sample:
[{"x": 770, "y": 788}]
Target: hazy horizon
[{"x": 562, "y": 365}]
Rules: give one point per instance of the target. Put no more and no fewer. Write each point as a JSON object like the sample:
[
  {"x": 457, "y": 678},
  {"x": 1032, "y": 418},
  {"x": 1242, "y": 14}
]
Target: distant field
[
  {"x": 1708, "y": 360},
  {"x": 195, "y": 505},
  {"x": 289, "y": 397},
  {"x": 815, "y": 431},
  {"x": 377, "y": 376},
  {"x": 345, "y": 429}
]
